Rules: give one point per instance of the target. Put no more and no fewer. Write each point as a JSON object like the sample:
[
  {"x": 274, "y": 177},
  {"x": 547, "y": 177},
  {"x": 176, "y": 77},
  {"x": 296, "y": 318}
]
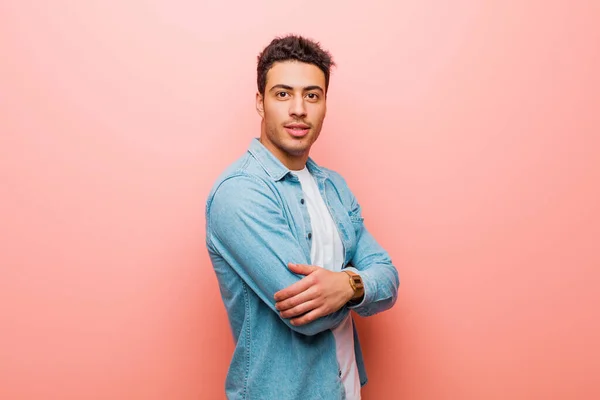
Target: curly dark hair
[{"x": 292, "y": 47}]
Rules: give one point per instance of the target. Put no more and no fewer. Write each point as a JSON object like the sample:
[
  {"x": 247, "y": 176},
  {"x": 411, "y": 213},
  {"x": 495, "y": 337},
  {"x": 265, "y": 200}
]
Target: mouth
[{"x": 297, "y": 130}]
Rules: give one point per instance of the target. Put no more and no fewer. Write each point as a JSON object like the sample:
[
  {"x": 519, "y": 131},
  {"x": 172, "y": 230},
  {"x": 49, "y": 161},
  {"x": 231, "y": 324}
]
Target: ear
[{"x": 260, "y": 104}]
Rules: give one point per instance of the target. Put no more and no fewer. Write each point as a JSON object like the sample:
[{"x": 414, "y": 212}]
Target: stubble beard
[{"x": 279, "y": 138}]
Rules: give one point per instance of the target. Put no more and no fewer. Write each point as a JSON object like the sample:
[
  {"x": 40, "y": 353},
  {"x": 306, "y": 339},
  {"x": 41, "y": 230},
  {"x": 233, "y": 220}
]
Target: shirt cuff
[{"x": 366, "y": 290}]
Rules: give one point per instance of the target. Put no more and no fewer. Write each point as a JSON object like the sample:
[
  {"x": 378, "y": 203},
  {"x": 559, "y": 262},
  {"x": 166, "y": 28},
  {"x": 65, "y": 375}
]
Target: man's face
[{"x": 292, "y": 108}]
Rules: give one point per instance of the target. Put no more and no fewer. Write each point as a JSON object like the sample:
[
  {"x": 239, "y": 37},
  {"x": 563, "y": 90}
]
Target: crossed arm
[
  {"x": 308, "y": 299},
  {"x": 318, "y": 294}
]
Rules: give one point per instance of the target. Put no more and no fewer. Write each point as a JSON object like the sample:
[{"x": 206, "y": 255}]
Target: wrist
[{"x": 356, "y": 287}]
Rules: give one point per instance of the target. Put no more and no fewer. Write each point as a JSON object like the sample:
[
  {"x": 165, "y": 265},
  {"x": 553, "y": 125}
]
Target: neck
[{"x": 292, "y": 162}]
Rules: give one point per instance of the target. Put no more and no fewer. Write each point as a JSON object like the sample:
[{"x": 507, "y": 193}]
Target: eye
[
  {"x": 312, "y": 96},
  {"x": 282, "y": 95}
]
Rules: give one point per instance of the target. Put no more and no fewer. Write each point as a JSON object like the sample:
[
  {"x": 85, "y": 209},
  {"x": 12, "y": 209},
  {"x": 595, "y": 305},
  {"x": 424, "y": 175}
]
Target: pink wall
[{"x": 469, "y": 130}]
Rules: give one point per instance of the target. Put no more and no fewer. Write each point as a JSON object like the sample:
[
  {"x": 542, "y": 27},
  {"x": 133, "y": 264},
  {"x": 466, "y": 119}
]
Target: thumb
[{"x": 301, "y": 268}]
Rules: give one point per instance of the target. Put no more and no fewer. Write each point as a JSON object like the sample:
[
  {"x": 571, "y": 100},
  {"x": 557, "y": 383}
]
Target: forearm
[
  {"x": 379, "y": 276},
  {"x": 380, "y": 289}
]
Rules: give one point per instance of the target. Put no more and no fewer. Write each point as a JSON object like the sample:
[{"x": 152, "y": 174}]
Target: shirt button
[
  {"x": 301, "y": 201},
  {"x": 309, "y": 235}
]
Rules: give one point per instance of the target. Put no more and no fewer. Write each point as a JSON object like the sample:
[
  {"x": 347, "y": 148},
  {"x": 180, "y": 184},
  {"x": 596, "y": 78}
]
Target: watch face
[{"x": 357, "y": 281}]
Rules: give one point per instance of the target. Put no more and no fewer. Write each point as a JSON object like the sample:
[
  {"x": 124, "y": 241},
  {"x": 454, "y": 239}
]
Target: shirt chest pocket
[
  {"x": 353, "y": 224},
  {"x": 356, "y": 219}
]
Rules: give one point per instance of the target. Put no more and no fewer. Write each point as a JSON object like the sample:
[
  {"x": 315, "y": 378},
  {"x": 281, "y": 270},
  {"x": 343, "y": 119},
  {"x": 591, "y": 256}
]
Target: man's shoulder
[
  {"x": 334, "y": 176},
  {"x": 243, "y": 174},
  {"x": 340, "y": 183}
]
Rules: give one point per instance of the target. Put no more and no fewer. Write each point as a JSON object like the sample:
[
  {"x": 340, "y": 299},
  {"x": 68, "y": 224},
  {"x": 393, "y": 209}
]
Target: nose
[{"x": 297, "y": 107}]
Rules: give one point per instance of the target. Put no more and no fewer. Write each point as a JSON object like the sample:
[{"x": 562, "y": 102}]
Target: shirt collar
[{"x": 275, "y": 168}]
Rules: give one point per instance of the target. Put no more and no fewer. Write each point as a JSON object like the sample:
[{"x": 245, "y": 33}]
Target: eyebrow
[{"x": 305, "y": 89}]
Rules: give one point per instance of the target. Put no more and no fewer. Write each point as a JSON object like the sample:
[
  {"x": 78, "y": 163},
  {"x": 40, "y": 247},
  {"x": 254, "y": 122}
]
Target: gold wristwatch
[{"x": 357, "y": 285}]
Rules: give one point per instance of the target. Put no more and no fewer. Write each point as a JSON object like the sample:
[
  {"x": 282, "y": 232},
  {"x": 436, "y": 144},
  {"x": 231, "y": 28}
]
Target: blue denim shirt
[{"x": 256, "y": 224}]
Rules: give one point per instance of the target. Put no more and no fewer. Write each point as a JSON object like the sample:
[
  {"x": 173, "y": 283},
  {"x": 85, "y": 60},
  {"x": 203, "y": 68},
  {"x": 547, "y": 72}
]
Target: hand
[{"x": 321, "y": 292}]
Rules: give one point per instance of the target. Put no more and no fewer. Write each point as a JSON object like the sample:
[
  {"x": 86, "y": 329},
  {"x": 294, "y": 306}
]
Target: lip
[
  {"x": 297, "y": 126},
  {"x": 297, "y": 130}
]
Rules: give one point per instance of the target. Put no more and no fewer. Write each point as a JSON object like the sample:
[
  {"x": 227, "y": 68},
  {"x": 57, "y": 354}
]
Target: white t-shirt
[{"x": 327, "y": 251}]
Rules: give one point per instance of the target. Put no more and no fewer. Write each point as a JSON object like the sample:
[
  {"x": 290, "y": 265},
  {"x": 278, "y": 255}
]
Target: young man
[{"x": 288, "y": 244}]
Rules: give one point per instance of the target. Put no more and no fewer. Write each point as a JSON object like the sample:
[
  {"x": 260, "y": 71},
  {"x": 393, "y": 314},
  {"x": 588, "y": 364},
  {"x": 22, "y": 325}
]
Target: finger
[
  {"x": 294, "y": 289},
  {"x": 307, "y": 295},
  {"x": 301, "y": 268},
  {"x": 308, "y": 317},
  {"x": 301, "y": 309}
]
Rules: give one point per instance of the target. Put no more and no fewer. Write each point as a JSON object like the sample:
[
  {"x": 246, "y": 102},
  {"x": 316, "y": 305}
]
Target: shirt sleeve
[
  {"x": 372, "y": 262},
  {"x": 248, "y": 228}
]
